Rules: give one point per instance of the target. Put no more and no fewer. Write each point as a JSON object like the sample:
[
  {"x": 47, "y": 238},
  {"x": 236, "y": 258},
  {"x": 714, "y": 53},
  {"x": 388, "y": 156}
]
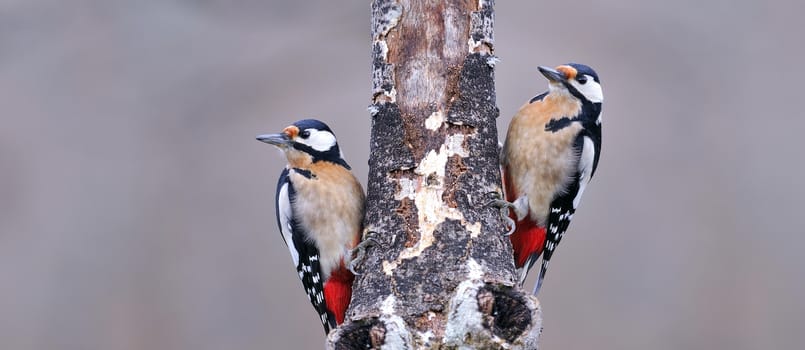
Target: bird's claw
[
  {"x": 360, "y": 253},
  {"x": 505, "y": 208},
  {"x": 510, "y": 223},
  {"x": 495, "y": 195}
]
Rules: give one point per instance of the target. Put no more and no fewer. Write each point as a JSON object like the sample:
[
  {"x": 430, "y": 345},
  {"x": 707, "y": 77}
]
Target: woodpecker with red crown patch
[
  {"x": 550, "y": 154},
  {"x": 319, "y": 207}
]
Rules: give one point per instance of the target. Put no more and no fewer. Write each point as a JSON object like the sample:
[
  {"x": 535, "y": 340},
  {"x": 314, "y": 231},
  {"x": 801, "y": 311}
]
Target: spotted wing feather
[
  {"x": 305, "y": 255},
  {"x": 587, "y": 147}
]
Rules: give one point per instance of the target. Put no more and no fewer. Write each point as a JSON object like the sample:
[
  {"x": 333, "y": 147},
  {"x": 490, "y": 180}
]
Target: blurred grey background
[{"x": 136, "y": 208}]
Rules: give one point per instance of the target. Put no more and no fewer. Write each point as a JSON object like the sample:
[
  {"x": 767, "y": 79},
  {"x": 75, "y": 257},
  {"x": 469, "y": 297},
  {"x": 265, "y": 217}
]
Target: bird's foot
[
  {"x": 359, "y": 252},
  {"x": 504, "y": 206}
]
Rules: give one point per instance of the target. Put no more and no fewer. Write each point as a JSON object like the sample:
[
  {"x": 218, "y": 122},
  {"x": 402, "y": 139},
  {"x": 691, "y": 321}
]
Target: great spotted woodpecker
[
  {"x": 550, "y": 154},
  {"x": 320, "y": 207}
]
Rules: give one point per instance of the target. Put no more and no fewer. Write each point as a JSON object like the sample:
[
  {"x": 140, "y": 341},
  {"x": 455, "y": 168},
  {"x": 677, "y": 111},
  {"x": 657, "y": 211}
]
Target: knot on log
[
  {"x": 361, "y": 335},
  {"x": 505, "y": 312},
  {"x": 481, "y": 314}
]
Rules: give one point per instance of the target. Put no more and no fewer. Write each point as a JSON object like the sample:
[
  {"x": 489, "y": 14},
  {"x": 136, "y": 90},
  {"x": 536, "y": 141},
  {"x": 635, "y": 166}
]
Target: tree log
[{"x": 441, "y": 274}]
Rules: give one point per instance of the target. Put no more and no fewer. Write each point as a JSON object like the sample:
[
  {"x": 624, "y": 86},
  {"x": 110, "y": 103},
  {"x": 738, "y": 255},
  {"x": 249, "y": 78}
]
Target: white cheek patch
[
  {"x": 591, "y": 90},
  {"x": 319, "y": 140}
]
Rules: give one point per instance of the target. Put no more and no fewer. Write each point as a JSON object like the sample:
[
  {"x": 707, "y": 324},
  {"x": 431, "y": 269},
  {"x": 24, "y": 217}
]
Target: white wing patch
[
  {"x": 285, "y": 215},
  {"x": 585, "y": 168}
]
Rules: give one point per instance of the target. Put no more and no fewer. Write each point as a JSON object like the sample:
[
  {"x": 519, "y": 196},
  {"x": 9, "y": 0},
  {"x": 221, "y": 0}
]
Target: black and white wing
[
  {"x": 305, "y": 255},
  {"x": 564, "y": 205}
]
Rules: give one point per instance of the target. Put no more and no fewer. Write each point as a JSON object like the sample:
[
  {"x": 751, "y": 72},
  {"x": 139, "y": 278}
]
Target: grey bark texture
[{"x": 441, "y": 274}]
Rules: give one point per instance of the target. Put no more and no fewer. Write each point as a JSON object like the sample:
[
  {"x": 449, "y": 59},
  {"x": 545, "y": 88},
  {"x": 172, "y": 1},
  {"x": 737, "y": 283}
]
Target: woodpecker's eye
[
  {"x": 582, "y": 80},
  {"x": 304, "y": 134}
]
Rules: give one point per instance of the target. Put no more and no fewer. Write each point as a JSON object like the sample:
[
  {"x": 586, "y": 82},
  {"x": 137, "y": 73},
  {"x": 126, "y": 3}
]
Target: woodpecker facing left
[
  {"x": 320, "y": 207},
  {"x": 550, "y": 154}
]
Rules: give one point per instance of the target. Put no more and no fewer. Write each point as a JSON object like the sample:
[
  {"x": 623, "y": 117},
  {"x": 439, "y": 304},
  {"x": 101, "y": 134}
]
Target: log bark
[{"x": 441, "y": 275}]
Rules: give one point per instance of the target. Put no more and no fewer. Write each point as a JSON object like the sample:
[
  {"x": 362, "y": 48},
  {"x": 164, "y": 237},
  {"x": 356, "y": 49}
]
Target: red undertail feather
[
  {"x": 338, "y": 291},
  {"x": 528, "y": 238}
]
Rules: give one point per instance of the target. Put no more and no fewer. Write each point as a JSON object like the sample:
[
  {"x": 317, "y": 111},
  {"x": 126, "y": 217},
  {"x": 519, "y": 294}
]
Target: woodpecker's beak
[
  {"x": 279, "y": 140},
  {"x": 552, "y": 74}
]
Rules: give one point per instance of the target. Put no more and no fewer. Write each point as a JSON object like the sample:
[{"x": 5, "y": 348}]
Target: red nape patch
[
  {"x": 527, "y": 239},
  {"x": 338, "y": 291}
]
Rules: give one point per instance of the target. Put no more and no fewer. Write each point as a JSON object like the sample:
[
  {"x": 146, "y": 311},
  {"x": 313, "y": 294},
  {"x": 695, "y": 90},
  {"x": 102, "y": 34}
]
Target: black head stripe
[
  {"x": 585, "y": 70},
  {"x": 312, "y": 124},
  {"x": 332, "y": 155},
  {"x": 573, "y": 91}
]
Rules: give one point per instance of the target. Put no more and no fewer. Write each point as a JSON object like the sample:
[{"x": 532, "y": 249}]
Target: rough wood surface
[{"x": 441, "y": 274}]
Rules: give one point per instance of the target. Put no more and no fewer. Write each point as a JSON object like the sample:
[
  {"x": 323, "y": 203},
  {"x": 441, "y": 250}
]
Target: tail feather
[
  {"x": 528, "y": 241},
  {"x": 542, "y": 270},
  {"x": 337, "y": 295}
]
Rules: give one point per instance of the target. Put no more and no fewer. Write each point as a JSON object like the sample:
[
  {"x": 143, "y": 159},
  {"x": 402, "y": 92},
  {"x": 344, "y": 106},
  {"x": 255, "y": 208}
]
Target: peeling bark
[{"x": 441, "y": 275}]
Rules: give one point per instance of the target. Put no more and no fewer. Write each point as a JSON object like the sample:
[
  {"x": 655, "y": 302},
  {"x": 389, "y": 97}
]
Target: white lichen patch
[
  {"x": 397, "y": 335},
  {"x": 475, "y": 229},
  {"x": 390, "y": 19},
  {"x": 388, "y": 304},
  {"x": 433, "y": 163},
  {"x": 455, "y": 145},
  {"x": 389, "y": 266},
  {"x": 464, "y": 317},
  {"x": 483, "y": 46},
  {"x": 474, "y": 270},
  {"x": 407, "y": 189},
  {"x": 473, "y": 45},
  {"x": 435, "y": 121},
  {"x": 391, "y": 95},
  {"x": 373, "y": 110},
  {"x": 384, "y": 49},
  {"x": 425, "y": 338},
  {"x": 426, "y": 189},
  {"x": 431, "y": 210},
  {"x": 491, "y": 61}
]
